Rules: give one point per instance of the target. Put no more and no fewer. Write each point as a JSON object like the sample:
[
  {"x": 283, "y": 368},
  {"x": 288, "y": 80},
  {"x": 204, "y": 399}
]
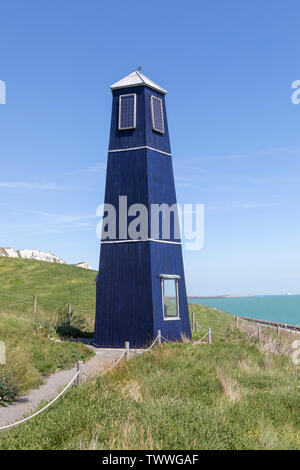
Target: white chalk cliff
[
  {"x": 84, "y": 265},
  {"x": 37, "y": 255}
]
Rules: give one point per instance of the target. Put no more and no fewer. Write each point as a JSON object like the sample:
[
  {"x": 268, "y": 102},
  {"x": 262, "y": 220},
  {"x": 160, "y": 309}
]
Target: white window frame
[
  {"x": 162, "y": 115},
  {"x": 176, "y": 278},
  {"x": 134, "y": 112}
]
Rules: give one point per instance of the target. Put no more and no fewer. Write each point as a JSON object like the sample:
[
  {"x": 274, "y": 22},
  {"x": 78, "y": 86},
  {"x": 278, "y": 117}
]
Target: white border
[
  {"x": 141, "y": 240},
  {"x": 162, "y": 115},
  {"x": 176, "y": 278},
  {"x": 170, "y": 276},
  {"x": 134, "y": 110},
  {"x": 139, "y": 148}
]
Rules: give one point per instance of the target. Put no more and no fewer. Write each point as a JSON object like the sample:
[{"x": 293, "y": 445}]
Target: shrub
[
  {"x": 45, "y": 328},
  {"x": 64, "y": 324},
  {"x": 70, "y": 324},
  {"x": 8, "y": 388},
  {"x": 18, "y": 374}
]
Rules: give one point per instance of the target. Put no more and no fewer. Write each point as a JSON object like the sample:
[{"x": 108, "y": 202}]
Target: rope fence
[
  {"x": 79, "y": 379},
  {"x": 114, "y": 365},
  {"x": 271, "y": 324},
  {"x": 259, "y": 323},
  {"x": 210, "y": 333},
  {"x": 42, "y": 409},
  {"x": 199, "y": 341}
]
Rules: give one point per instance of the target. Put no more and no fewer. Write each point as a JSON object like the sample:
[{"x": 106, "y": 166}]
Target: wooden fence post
[
  {"x": 159, "y": 336},
  {"x": 209, "y": 336},
  {"x": 127, "y": 350},
  {"x": 69, "y": 314},
  {"x": 2, "y": 353},
  {"x": 278, "y": 331},
  {"x": 79, "y": 378},
  {"x": 34, "y": 303},
  {"x": 193, "y": 320},
  {"x": 237, "y": 321},
  {"x": 258, "y": 333}
]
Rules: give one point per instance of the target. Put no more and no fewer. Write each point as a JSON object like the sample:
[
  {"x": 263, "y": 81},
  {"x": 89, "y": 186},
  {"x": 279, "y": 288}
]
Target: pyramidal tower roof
[{"x": 136, "y": 78}]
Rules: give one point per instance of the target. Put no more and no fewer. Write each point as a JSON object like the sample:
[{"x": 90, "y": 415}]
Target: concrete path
[{"x": 23, "y": 405}]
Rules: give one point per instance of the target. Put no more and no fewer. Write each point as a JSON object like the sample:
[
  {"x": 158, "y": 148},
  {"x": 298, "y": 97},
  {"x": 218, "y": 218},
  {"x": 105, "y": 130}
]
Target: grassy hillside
[
  {"x": 32, "y": 356},
  {"x": 57, "y": 285},
  {"x": 34, "y": 348},
  {"x": 228, "y": 395},
  {"x": 54, "y": 284},
  {"x": 208, "y": 317},
  {"x": 233, "y": 394}
]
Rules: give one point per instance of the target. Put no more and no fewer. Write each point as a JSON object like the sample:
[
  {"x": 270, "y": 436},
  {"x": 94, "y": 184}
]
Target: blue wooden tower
[{"x": 140, "y": 287}]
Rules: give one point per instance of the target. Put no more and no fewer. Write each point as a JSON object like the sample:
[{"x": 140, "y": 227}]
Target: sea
[{"x": 277, "y": 308}]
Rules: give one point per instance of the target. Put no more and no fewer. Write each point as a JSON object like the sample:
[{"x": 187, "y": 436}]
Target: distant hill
[
  {"x": 55, "y": 285},
  {"x": 31, "y": 254},
  {"x": 38, "y": 255}
]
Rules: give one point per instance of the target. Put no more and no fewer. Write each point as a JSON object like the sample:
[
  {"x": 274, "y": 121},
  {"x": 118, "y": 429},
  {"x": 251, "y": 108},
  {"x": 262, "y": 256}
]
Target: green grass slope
[
  {"x": 33, "y": 351},
  {"x": 55, "y": 285},
  {"x": 208, "y": 317}
]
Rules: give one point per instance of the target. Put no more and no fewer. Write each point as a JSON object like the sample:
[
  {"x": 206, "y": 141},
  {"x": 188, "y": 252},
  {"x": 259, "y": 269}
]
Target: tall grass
[
  {"x": 32, "y": 356},
  {"x": 228, "y": 395}
]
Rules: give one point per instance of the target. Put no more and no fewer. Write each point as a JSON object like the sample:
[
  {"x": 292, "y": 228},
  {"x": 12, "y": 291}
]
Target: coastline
[{"x": 279, "y": 309}]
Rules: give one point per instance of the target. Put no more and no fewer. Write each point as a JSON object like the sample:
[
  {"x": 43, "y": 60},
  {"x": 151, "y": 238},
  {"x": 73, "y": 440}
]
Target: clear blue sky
[{"x": 235, "y": 134}]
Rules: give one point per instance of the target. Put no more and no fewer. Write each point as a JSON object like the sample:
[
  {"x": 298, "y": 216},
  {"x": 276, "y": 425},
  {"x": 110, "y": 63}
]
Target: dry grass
[
  {"x": 248, "y": 328},
  {"x": 132, "y": 390},
  {"x": 245, "y": 365},
  {"x": 184, "y": 338},
  {"x": 131, "y": 435},
  {"x": 269, "y": 342},
  {"x": 229, "y": 386},
  {"x": 162, "y": 352}
]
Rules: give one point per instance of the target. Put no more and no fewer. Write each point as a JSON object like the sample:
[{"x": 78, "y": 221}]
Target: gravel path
[{"x": 103, "y": 359}]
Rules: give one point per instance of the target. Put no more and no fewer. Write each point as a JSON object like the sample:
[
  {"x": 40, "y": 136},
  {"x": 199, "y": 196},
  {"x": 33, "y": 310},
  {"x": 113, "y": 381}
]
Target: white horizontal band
[
  {"x": 169, "y": 276},
  {"x": 139, "y": 148},
  {"x": 141, "y": 240}
]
